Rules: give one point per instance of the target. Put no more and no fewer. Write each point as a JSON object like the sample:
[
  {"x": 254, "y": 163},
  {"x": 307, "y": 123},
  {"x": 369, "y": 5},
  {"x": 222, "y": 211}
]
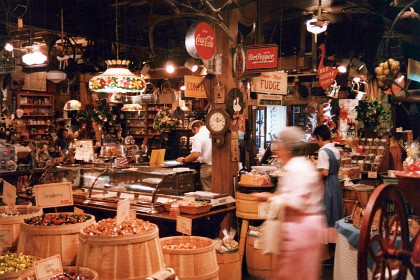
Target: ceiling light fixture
[
  {"x": 170, "y": 67},
  {"x": 72, "y": 105},
  {"x": 56, "y": 76},
  {"x": 34, "y": 56},
  {"x": 190, "y": 64},
  {"x": 8, "y": 47},
  {"x": 316, "y": 26},
  {"x": 117, "y": 78}
]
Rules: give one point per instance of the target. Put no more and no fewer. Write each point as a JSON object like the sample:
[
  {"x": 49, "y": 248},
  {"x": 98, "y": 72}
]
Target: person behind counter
[
  {"x": 61, "y": 142},
  {"x": 201, "y": 151},
  {"x": 300, "y": 191},
  {"x": 328, "y": 165}
]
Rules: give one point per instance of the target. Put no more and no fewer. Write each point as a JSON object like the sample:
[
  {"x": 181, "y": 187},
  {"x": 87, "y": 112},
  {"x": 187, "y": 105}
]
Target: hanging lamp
[
  {"x": 72, "y": 105},
  {"x": 117, "y": 78}
]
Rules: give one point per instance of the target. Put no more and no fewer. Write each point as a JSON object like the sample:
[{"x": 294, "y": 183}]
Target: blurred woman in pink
[{"x": 300, "y": 191}]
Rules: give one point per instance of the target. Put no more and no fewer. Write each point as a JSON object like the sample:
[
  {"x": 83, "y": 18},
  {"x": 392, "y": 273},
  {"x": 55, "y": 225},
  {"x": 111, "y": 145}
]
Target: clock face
[{"x": 217, "y": 121}]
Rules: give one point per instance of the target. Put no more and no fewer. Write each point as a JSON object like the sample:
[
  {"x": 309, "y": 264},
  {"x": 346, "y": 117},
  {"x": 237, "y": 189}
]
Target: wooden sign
[
  {"x": 9, "y": 194},
  {"x": 84, "y": 150},
  {"x": 7, "y": 65},
  {"x": 184, "y": 225},
  {"x": 270, "y": 82},
  {"x": 53, "y": 195},
  {"x": 191, "y": 87},
  {"x": 48, "y": 268},
  {"x": 326, "y": 74},
  {"x": 219, "y": 94},
  {"x": 5, "y": 237},
  {"x": 269, "y": 99},
  {"x": 123, "y": 211}
]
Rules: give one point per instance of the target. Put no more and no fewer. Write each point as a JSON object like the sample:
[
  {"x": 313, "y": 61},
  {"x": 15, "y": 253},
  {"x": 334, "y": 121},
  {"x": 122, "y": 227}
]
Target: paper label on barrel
[
  {"x": 372, "y": 174},
  {"x": 123, "y": 211},
  {"x": 49, "y": 267},
  {"x": 9, "y": 194},
  {"x": 5, "y": 237},
  {"x": 263, "y": 209},
  {"x": 53, "y": 195},
  {"x": 184, "y": 225}
]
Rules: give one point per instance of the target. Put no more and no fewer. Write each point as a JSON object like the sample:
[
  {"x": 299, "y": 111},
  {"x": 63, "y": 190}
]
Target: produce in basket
[
  {"x": 386, "y": 73},
  {"x": 14, "y": 262}
]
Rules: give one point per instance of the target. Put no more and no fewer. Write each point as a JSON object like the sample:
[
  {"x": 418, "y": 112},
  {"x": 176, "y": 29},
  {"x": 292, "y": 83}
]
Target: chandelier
[
  {"x": 72, "y": 105},
  {"x": 34, "y": 56},
  {"x": 117, "y": 78}
]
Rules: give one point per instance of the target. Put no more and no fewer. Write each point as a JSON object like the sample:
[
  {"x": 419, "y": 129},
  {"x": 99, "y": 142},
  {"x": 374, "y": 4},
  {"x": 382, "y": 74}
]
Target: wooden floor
[{"x": 327, "y": 274}]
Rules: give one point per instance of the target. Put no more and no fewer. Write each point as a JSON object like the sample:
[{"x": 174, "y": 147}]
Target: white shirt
[
  {"x": 323, "y": 162},
  {"x": 202, "y": 143},
  {"x": 300, "y": 188}
]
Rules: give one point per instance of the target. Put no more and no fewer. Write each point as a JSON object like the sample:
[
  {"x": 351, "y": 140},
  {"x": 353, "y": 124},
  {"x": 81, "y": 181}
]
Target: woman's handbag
[{"x": 271, "y": 229}]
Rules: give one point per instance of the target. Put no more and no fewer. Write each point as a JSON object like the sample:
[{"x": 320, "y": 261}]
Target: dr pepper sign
[{"x": 201, "y": 41}]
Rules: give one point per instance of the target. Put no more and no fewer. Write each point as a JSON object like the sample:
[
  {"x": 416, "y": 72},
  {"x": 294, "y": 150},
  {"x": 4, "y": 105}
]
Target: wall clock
[{"x": 218, "y": 122}]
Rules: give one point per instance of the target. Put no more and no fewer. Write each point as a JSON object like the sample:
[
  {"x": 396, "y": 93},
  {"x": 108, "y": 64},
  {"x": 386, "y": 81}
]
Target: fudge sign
[
  {"x": 201, "y": 41},
  {"x": 270, "y": 82}
]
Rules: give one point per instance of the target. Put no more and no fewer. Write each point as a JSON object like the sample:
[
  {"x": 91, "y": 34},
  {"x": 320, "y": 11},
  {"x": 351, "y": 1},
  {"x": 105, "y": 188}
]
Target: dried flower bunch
[{"x": 165, "y": 119}]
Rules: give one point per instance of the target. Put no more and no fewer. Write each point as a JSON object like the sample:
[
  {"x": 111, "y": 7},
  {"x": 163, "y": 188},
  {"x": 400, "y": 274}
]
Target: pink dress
[{"x": 302, "y": 245}]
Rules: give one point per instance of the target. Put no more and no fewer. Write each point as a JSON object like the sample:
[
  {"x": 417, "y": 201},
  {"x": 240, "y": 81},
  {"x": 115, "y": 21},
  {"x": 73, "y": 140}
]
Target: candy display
[
  {"x": 57, "y": 219},
  {"x": 13, "y": 262},
  {"x": 179, "y": 246},
  {"x": 109, "y": 227},
  {"x": 254, "y": 179}
]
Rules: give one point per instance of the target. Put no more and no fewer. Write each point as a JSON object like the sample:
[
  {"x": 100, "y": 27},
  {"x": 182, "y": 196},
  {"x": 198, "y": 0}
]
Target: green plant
[
  {"x": 164, "y": 119},
  {"x": 370, "y": 115}
]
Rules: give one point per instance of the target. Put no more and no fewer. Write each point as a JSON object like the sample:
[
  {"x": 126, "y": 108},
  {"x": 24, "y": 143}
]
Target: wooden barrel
[
  {"x": 230, "y": 265},
  {"x": 247, "y": 206},
  {"x": 257, "y": 263},
  {"x": 196, "y": 263},
  {"x": 121, "y": 257},
  {"x": 47, "y": 241},
  {"x": 12, "y": 223},
  {"x": 77, "y": 270}
]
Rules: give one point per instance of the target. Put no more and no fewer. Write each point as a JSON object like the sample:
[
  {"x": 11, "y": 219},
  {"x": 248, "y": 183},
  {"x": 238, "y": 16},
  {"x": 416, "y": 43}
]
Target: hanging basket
[{"x": 149, "y": 95}]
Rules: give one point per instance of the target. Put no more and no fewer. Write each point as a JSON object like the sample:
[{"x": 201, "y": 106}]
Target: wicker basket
[{"x": 192, "y": 210}]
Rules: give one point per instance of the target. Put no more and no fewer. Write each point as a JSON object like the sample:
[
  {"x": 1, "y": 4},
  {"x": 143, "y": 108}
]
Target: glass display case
[{"x": 147, "y": 186}]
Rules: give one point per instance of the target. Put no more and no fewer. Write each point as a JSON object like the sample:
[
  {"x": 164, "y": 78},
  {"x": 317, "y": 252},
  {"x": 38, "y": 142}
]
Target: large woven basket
[
  {"x": 13, "y": 222},
  {"x": 47, "y": 241},
  {"x": 199, "y": 263},
  {"x": 121, "y": 257}
]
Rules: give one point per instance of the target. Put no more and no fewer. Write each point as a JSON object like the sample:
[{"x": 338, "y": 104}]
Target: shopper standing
[
  {"x": 328, "y": 165},
  {"x": 201, "y": 151},
  {"x": 300, "y": 192}
]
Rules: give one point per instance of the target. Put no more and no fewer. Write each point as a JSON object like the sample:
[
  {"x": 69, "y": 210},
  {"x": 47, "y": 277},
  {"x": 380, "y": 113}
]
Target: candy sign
[
  {"x": 326, "y": 74},
  {"x": 53, "y": 195},
  {"x": 270, "y": 82}
]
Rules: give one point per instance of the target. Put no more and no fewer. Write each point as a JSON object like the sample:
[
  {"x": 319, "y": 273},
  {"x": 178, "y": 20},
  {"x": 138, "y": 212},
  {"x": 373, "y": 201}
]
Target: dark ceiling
[{"x": 355, "y": 29}]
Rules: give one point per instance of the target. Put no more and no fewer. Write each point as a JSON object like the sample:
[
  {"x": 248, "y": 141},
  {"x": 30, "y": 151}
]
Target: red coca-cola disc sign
[{"x": 205, "y": 41}]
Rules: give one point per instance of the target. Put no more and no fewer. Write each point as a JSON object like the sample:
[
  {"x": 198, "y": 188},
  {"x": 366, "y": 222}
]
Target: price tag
[
  {"x": 372, "y": 174},
  {"x": 184, "y": 225},
  {"x": 263, "y": 210},
  {"x": 9, "y": 194},
  {"x": 53, "y": 195},
  {"x": 5, "y": 237},
  {"x": 123, "y": 211},
  {"x": 49, "y": 267}
]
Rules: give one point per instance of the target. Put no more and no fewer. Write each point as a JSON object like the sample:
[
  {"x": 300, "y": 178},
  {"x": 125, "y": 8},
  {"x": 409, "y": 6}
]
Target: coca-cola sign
[
  {"x": 261, "y": 57},
  {"x": 204, "y": 41}
]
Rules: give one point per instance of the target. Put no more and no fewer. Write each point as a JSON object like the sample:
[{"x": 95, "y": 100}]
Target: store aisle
[{"x": 327, "y": 274}]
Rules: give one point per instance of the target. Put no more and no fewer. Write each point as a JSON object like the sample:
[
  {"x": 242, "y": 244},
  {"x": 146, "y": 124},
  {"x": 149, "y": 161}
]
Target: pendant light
[
  {"x": 117, "y": 78},
  {"x": 72, "y": 105}
]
